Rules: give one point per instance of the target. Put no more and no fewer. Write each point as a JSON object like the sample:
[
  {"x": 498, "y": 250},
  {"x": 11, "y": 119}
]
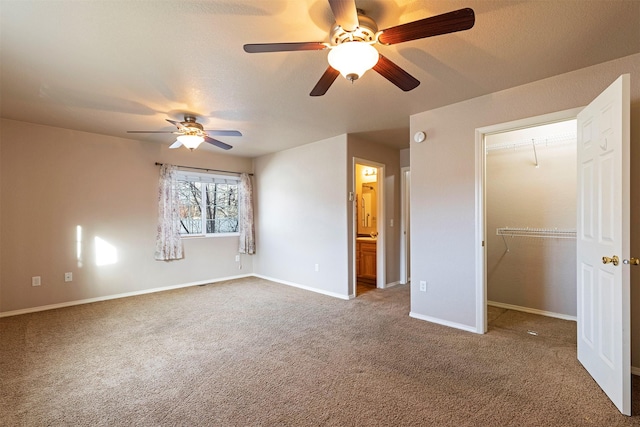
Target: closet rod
[{"x": 204, "y": 169}]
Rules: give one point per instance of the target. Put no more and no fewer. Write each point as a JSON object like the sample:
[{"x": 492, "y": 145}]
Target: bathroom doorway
[{"x": 369, "y": 259}]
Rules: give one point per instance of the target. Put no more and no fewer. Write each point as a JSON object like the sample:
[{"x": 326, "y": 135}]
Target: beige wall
[
  {"x": 302, "y": 216},
  {"x": 443, "y": 170},
  {"x": 53, "y": 180},
  {"x": 405, "y": 158},
  {"x": 305, "y": 217}
]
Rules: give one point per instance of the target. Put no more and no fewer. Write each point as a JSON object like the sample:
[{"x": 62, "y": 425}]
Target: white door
[{"x": 603, "y": 231}]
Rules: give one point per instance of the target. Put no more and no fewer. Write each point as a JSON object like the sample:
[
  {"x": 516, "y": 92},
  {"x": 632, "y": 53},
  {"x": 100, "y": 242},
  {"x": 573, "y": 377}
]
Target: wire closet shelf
[
  {"x": 545, "y": 233},
  {"x": 559, "y": 139}
]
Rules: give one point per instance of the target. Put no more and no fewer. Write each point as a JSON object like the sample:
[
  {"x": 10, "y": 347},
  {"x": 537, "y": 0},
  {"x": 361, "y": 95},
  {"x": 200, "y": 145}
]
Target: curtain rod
[{"x": 205, "y": 169}]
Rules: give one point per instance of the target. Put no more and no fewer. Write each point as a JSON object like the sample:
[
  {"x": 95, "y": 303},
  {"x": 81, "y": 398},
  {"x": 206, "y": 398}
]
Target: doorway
[
  {"x": 368, "y": 226},
  {"x": 493, "y": 236},
  {"x": 530, "y": 205},
  {"x": 602, "y": 228}
]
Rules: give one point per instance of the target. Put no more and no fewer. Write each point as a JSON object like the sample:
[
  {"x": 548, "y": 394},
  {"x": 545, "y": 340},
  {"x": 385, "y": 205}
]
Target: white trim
[
  {"x": 208, "y": 235},
  {"x": 381, "y": 255},
  {"x": 404, "y": 221},
  {"x": 117, "y": 296},
  {"x": 532, "y": 311},
  {"x": 306, "y": 288},
  {"x": 480, "y": 242},
  {"x": 392, "y": 284},
  {"x": 455, "y": 325},
  {"x": 209, "y": 177},
  {"x": 481, "y": 282}
]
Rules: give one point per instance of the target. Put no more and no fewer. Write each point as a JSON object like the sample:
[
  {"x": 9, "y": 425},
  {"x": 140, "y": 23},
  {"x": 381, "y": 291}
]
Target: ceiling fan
[
  {"x": 191, "y": 134},
  {"x": 352, "y": 38}
]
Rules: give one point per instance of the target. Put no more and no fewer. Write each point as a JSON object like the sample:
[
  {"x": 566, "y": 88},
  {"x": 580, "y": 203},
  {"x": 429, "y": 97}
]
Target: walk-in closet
[{"x": 531, "y": 219}]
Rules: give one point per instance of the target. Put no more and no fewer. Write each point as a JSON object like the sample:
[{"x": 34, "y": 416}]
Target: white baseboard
[
  {"x": 116, "y": 296},
  {"x": 392, "y": 284},
  {"x": 306, "y": 288},
  {"x": 635, "y": 371},
  {"x": 531, "y": 310},
  {"x": 455, "y": 325},
  {"x": 168, "y": 288}
]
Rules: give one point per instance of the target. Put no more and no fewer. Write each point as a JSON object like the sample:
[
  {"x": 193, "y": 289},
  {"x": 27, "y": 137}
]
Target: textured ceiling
[{"x": 111, "y": 66}]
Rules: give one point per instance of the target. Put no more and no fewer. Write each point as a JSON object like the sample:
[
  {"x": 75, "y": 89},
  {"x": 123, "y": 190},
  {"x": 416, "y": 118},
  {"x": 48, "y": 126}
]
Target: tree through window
[{"x": 208, "y": 204}]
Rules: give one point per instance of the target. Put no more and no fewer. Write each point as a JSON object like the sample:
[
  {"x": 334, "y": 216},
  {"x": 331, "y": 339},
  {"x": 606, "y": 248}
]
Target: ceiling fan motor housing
[
  {"x": 366, "y": 31},
  {"x": 191, "y": 124}
]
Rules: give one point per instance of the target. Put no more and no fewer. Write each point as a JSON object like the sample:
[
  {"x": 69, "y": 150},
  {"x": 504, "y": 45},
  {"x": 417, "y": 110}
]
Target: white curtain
[
  {"x": 168, "y": 243},
  {"x": 245, "y": 216}
]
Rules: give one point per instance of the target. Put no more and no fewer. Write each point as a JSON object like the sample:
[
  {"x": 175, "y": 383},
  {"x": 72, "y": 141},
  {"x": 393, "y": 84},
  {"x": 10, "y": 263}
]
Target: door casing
[
  {"x": 380, "y": 241},
  {"x": 480, "y": 212}
]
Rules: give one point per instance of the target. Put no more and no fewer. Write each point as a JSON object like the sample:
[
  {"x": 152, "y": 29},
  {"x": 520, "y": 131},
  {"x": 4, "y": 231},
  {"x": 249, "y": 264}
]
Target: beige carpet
[{"x": 251, "y": 352}]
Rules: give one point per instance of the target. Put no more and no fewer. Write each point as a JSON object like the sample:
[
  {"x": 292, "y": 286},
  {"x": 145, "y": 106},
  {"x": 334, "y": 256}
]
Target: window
[{"x": 208, "y": 204}]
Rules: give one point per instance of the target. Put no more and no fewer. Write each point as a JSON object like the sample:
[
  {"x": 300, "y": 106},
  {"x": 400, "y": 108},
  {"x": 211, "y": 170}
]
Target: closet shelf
[
  {"x": 566, "y": 138},
  {"x": 548, "y": 233},
  {"x": 536, "y": 232}
]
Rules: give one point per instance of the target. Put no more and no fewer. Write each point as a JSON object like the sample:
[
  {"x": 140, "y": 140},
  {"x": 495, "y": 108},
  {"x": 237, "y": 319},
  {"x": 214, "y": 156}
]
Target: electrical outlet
[
  {"x": 68, "y": 277},
  {"x": 391, "y": 223},
  {"x": 35, "y": 281},
  {"x": 237, "y": 258},
  {"x": 423, "y": 286},
  {"x": 317, "y": 267}
]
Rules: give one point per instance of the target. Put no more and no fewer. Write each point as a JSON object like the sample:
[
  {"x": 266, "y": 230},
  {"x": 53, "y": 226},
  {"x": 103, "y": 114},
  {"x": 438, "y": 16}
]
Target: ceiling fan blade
[
  {"x": 223, "y": 132},
  {"x": 325, "y": 82},
  {"x": 217, "y": 143},
  {"x": 450, "y": 22},
  {"x": 395, "y": 74},
  {"x": 176, "y": 144},
  {"x": 150, "y": 131},
  {"x": 346, "y": 13},
  {"x": 177, "y": 124},
  {"x": 283, "y": 47}
]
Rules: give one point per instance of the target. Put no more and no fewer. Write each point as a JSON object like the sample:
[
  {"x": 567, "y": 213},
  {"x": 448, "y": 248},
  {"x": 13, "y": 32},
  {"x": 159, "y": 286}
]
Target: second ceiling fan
[
  {"x": 353, "y": 36},
  {"x": 191, "y": 134}
]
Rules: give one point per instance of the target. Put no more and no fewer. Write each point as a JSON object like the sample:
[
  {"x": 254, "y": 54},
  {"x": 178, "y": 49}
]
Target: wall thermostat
[{"x": 419, "y": 136}]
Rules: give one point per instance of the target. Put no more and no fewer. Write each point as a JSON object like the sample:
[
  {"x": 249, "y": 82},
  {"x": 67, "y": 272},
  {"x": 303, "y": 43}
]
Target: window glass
[{"x": 208, "y": 205}]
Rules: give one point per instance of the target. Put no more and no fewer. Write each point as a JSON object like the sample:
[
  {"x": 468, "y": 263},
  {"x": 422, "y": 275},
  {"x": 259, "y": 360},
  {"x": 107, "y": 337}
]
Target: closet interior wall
[{"x": 530, "y": 220}]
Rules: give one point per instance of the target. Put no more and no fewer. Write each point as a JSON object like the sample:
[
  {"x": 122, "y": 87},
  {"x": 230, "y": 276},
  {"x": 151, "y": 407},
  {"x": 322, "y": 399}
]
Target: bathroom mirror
[{"x": 367, "y": 203}]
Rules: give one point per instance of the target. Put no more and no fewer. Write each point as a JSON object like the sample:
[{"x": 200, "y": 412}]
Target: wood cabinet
[{"x": 366, "y": 261}]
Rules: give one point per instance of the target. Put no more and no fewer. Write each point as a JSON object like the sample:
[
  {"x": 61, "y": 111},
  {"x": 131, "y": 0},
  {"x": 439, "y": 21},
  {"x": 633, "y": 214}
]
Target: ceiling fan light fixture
[
  {"x": 353, "y": 59},
  {"x": 191, "y": 141}
]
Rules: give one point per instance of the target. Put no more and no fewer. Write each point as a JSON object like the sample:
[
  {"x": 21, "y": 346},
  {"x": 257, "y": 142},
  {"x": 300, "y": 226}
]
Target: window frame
[{"x": 208, "y": 178}]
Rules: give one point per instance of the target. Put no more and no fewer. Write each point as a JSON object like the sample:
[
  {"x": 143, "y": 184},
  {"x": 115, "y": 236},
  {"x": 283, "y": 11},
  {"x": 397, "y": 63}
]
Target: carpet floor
[{"x": 251, "y": 352}]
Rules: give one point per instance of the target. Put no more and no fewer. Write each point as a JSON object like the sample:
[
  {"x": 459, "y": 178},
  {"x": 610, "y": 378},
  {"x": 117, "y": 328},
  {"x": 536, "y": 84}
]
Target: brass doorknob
[
  {"x": 613, "y": 260},
  {"x": 631, "y": 261}
]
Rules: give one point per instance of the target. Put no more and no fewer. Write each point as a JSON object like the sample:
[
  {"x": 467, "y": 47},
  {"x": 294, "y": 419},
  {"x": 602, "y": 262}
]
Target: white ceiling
[{"x": 111, "y": 66}]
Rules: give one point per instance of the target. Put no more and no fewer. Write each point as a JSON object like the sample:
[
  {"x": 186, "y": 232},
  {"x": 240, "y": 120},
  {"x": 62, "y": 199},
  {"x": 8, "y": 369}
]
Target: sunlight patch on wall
[
  {"x": 106, "y": 253},
  {"x": 79, "y": 245}
]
